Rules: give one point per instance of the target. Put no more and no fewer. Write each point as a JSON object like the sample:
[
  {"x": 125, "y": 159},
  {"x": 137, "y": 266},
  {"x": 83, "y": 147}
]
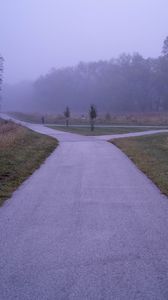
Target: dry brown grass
[
  {"x": 21, "y": 152},
  {"x": 151, "y": 118},
  {"x": 10, "y": 133}
]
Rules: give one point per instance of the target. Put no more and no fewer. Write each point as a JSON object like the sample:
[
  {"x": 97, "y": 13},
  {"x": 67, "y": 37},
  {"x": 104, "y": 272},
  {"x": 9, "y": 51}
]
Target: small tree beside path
[
  {"x": 93, "y": 116},
  {"x": 67, "y": 115}
]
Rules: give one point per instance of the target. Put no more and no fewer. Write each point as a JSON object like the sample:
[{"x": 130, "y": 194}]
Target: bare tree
[
  {"x": 93, "y": 116},
  {"x": 67, "y": 115}
]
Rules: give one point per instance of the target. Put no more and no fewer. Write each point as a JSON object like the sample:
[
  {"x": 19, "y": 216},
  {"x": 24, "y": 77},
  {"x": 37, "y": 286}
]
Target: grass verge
[
  {"x": 21, "y": 152},
  {"x": 150, "y": 154},
  {"x": 84, "y": 130}
]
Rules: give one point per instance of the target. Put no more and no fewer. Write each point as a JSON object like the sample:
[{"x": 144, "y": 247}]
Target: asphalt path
[{"x": 86, "y": 225}]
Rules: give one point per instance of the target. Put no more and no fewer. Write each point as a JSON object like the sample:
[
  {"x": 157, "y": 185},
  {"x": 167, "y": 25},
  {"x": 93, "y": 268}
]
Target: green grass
[
  {"x": 21, "y": 152},
  {"x": 150, "y": 154},
  {"x": 101, "y": 130}
]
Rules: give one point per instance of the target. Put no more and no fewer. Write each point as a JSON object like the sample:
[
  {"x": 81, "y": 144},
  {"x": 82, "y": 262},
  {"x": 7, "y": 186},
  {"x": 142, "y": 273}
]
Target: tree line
[{"x": 130, "y": 83}]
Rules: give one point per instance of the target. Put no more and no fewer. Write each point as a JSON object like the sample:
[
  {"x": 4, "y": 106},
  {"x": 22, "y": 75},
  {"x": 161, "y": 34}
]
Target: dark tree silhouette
[
  {"x": 165, "y": 47},
  {"x": 67, "y": 115},
  {"x": 93, "y": 116},
  {"x": 42, "y": 119}
]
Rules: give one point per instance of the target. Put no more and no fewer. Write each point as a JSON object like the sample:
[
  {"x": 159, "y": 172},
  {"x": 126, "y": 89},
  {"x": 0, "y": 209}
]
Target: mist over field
[{"x": 75, "y": 53}]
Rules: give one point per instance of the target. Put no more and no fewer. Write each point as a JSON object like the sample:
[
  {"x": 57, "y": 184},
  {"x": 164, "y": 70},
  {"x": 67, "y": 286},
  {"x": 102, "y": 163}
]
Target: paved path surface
[{"x": 87, "y": 225}]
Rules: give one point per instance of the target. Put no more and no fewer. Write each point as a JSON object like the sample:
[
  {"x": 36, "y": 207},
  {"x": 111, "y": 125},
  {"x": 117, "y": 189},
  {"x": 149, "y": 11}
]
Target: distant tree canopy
[{"x": 130, "y": 83}]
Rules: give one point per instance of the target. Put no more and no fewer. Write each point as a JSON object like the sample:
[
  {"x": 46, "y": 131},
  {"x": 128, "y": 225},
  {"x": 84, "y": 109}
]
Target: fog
[
  {"x": 75, "y": 53},
  {"x": 36, "y": 35}
]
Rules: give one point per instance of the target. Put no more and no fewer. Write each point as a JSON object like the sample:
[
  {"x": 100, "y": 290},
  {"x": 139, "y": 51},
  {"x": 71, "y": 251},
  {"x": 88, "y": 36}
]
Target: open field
[
  {"x": 150, "y": 119},
  {"x": 21, "y": 152},
  {"x": 104, "y": 130},
  {"x": 150, "y": 154}
]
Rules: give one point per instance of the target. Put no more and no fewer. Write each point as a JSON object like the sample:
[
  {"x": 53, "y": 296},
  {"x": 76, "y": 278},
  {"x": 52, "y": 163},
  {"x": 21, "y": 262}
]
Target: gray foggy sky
[{"x": 36, "y": 35}]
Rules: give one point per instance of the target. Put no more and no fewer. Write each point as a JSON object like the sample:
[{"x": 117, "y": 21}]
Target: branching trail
[{"x": 86, "y": 225}]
